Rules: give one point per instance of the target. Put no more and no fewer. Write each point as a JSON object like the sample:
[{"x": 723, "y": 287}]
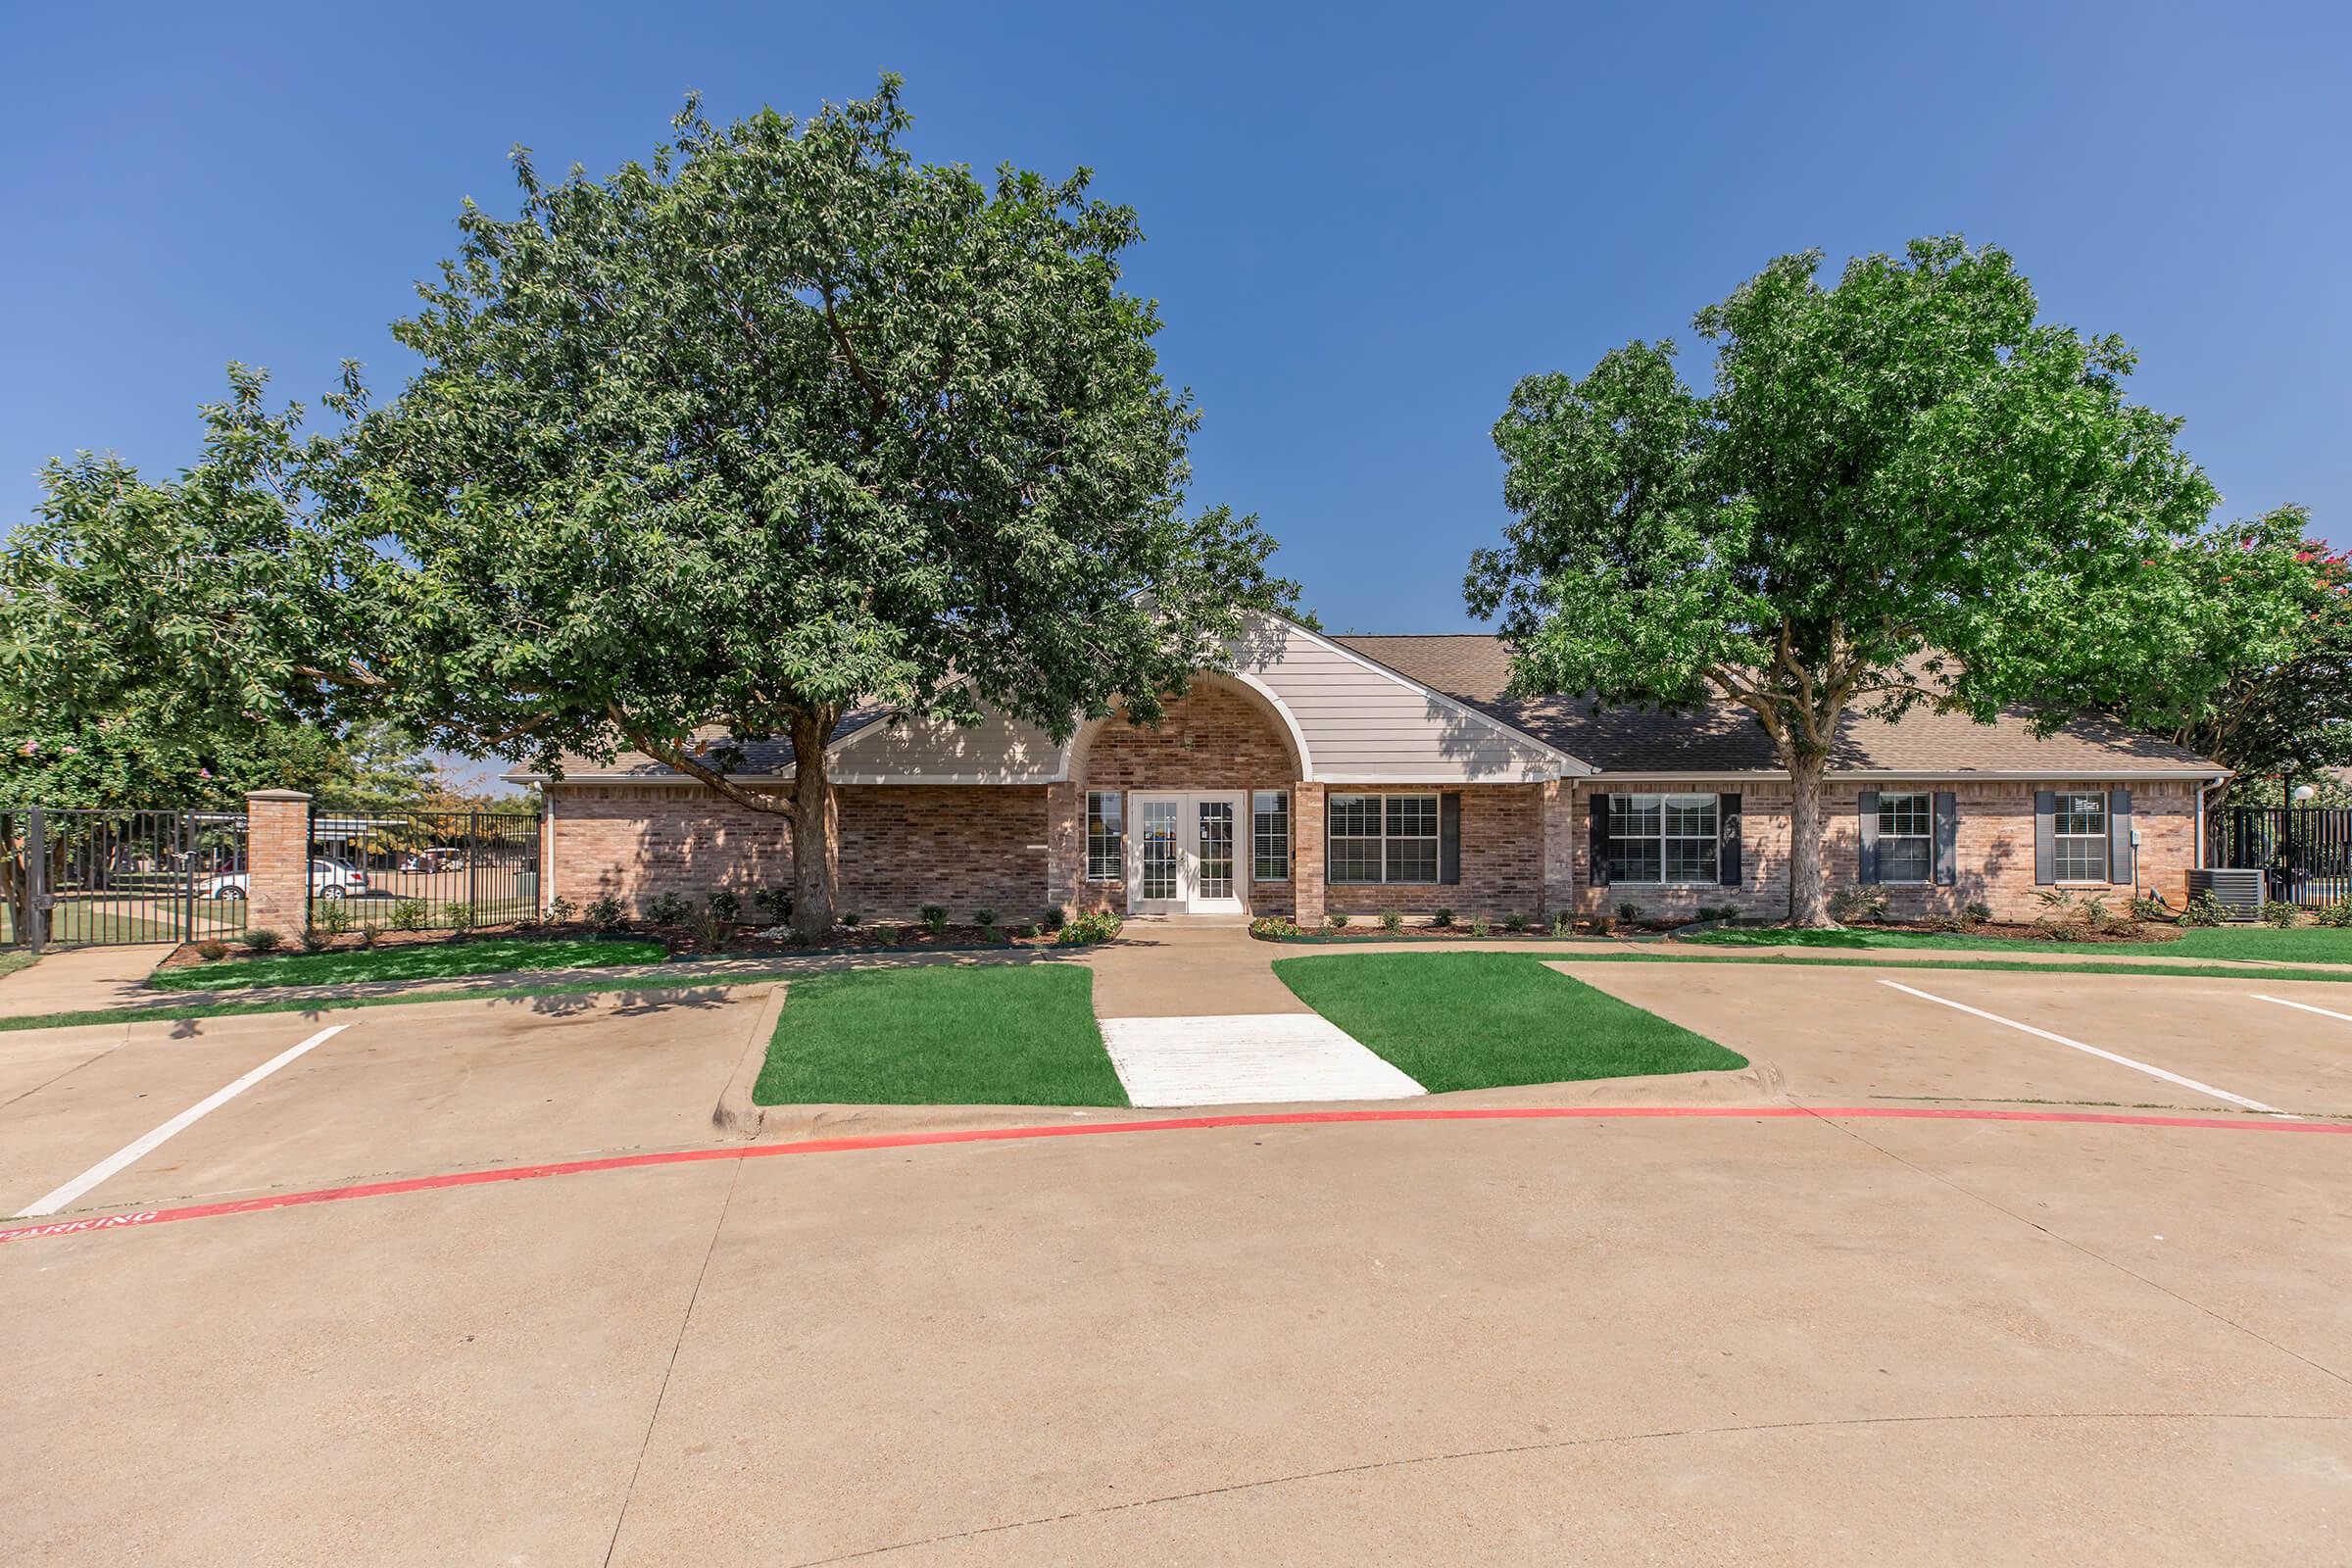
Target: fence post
[
  {"x": 473, "y": 860},
  {"x": 36, "y": 880},
  {"x": 277, "y": 860}
]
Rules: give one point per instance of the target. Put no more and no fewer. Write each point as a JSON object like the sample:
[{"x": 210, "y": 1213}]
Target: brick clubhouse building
[{"x": 1361, "y": 774}]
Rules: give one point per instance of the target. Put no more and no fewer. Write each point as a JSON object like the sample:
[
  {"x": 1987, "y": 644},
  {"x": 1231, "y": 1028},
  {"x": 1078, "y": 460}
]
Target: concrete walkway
[{"x": 82, "y": 980}]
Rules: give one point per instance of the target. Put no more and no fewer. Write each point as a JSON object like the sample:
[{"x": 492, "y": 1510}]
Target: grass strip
[
  {"x": 999, "y": 1035},
  {"x": 1485, "y": 1020},
  {"x": 409, "y": 962}
]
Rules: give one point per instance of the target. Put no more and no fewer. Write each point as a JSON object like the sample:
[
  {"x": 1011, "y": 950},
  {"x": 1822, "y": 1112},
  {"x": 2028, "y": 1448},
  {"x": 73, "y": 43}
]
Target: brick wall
[
  {"x": 1502, "y": 855},
  {"x": 967, "y": 847},
  {"x": 277, "y": 861},
  {"x": 1994, "y": 844}
]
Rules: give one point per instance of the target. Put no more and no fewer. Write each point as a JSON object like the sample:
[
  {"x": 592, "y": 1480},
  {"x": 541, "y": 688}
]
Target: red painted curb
[{"x": 993, "y": 1135}]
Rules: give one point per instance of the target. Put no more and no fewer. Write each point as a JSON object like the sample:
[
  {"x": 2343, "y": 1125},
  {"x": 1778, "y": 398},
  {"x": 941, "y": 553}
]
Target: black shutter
[
  {"x": 1726, "y": 841},
  {"x": 2045, "y": 840},
  {"x": 1597, "y": 823},
  {"x": 1866, "y": 805},
  {"x": 1947, "y": 839},
  {"x": 1450, "y": 836},
  {"x": 2119, "y": 837}
]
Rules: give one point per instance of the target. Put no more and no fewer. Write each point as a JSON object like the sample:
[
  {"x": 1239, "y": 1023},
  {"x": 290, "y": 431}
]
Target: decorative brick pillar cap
[{"x": 278, "y": 795}]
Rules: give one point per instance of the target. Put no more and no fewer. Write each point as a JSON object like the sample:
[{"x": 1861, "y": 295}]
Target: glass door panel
[
  {"x": 1216, "y": 850},
  {"x": 1158, "y": 838}
]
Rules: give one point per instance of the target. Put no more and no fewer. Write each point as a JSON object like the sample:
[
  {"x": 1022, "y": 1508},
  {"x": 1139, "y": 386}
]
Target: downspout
[{"x": 2199, "y": 860}]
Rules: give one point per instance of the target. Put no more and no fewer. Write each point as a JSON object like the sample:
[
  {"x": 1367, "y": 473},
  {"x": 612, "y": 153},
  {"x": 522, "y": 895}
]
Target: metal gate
[
  {"x": 2304, "y": 851},
  {"x": 90, "y": 877}
]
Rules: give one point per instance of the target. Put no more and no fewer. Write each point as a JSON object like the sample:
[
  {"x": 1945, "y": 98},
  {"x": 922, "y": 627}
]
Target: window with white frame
[
  {"x": 1106, "y": 836},
  {"x": 2079, "y": 838},
  {"x": 1906, "y": 838},
  {"x": 1270, "y": 836},
  {"x": 1663, "y": 838},
  {"x": 1381, "y": 838}
]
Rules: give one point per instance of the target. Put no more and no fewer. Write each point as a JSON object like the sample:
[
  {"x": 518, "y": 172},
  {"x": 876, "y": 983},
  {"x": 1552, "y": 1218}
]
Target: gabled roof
[
  {"x": 772, "y": 755},
  {"x": 1475, "y": 669}
]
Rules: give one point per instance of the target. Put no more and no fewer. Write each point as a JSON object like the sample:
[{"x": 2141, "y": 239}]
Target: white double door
[{"x": 1184, "y": 853}]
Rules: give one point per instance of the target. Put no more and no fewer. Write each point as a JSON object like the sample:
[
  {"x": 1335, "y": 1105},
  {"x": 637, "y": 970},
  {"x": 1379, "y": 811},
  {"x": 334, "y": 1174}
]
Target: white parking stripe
[
  {"x": 2106, "y": 1055},
  {"x": 52, "y": 1201},
  {"x": 2305, "y": 1006}
]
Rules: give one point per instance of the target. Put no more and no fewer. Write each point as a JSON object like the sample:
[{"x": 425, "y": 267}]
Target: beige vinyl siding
[{"x": 1365, "y": 725}]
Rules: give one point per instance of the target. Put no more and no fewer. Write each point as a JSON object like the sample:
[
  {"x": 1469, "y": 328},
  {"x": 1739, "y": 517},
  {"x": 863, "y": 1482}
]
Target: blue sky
[{"x": 1366, "y": 221}]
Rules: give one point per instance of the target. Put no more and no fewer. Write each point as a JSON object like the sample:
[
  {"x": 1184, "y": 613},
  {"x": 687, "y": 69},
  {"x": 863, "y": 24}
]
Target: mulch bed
[
  {"x": 2066, "y": 934},
  {"x": 745, "y": 943}
]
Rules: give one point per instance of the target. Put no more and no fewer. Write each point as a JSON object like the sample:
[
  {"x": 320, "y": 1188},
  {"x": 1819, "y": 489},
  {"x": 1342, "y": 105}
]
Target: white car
[{"x": 329, "y": 879}]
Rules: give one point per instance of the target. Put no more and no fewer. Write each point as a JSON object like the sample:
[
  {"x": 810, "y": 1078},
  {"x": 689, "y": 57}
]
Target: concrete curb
[{"x": 735, "y": 1115}]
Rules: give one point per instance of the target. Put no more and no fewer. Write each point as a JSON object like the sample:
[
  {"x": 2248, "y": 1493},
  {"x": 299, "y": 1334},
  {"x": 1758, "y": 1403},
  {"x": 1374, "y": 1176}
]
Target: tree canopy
[
  {"x": 1901, "y": 489},
  {"x": 777, "y": 423}
]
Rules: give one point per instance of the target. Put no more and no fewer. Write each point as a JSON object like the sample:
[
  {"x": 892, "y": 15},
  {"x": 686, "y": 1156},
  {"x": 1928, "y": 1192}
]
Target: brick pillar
[
  {"x": 1559, "y": 847},
  {"x": 1306, "y": 853},
  {"x": 277, "y": 860},
  {"x": 1065, "y": 843}
]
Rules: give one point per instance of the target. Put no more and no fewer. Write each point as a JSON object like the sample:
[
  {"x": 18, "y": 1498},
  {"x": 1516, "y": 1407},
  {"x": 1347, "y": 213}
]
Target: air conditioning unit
[{"x": 2239, "y": 891}]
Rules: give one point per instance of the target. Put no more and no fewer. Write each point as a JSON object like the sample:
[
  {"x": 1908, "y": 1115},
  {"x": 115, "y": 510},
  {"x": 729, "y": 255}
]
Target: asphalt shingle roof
[{"x": 1475, "y": 668}]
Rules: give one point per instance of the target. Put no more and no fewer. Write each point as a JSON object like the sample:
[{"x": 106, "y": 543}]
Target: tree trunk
[
  {"x": 1808, "y": 898},
  {"x": 815, "y": 831}
]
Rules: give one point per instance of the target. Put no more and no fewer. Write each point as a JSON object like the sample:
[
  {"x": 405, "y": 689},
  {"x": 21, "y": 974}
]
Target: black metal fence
[
  {"x": 83, "y": 878},
  {"x": 423, "y": 871},
  {"x": 2304, "y": 850}
]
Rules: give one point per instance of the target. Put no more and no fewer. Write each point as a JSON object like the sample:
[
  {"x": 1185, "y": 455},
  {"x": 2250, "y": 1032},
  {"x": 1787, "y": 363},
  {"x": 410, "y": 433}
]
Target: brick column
[
  {"x": 1066, "y": 845},
  {"x": 1559, "y": 847},
  {"x": 277, "y": 861},
  {"x": 1306, "y": 853}
]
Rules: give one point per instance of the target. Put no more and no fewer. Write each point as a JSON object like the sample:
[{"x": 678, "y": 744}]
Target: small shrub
[
  {"x": 775, "y": 904},
  {"x": 211, "y": 951},
  {"x": 410, "y": 915},
  {"x": 725, "y": 903},
  {"x": 459, "y": 917},
  {"x": 1392, "y": 921},
  {"x": 847, "y": 917},
  {"x": 1053, "y": 918},
  {"x": 1629, "y": 912},
  {"x": 2337, "y": 916},
  {"x": 1082, "y": 930},
  {"x": 1276, "y": 926},
  {"x": 1940, "y": 923},
  {"x": 1478, "y": 926},
  {"x": 2148, "y": 907},
  {"x": 1441, "y": 919},
  {"x": 260, "y": 938},
  {"x": 605, "y": 915},
  {"x": 668, "y": 909},
  {"x": 371, "y": 934},
  {"x": 2202, "y": 911},
  {"x": 2277, "y": 914},
  {"x": 1563, "y": 924},
  {"x": 1850, "y": 905},
  {"x": 1514, "y": 922},
  {"x": 934, "y": 918},
  {"x": 1028, "y": 933},
  {"x": 333, "y": 918},
  {"x": 711, "y": 929},
  {"x": 313, "y": 939},
  {"x": 1976, "y": 914},
  {"x": 1336, "y": 922},
  {"x": 1603, "y": 925},
  {"x": 887, "y": 933},
  {"x": 985, "y": 919},
  {"x": 561, "y": 911}
]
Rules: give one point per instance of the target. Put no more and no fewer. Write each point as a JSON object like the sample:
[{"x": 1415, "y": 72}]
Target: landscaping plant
[
  {"x": 459, "y": 918},
  {"x": 1563, "y": 924},
  {"x": 1973, "y": 914},
  {"x": 2336, "y": 915},
  {"x": 934, "y": 918},
  {"x": 1629, "y": 912},
  {"x": 314, "y": 938},
  {"x": 1392, "y": 921},
  {"x": 561, "y": 911},
  {"x": 260, "y": 938},
  {"x": 410, "y": 915},
  {"x": 2203, "y": 911},
  {"x": 1053, "y": 916},
  {"x": 1514, "y": 922},
  {"x": 887, "y": 932},
  {"x": 711, "y": 929},
  {"x": 1857, "y": 904},
  {"x": 775, "y": 904},
  {"x": 669, "y": 908},
  {"x": 605, "y": 915},
  {"x": 848, "y": 919},
  {"x": 211, "y": 951},
  {"x": 2278, "y": 912},
  {"x": 1092, "y": 926},
  {"x": 1335, "y": 921},
  {"x": 1276, "y": 926},
  {"x": 725, "y": 903},
  {"x": 1441, "y": 919},
  {"x": 1479, "y": 926}
]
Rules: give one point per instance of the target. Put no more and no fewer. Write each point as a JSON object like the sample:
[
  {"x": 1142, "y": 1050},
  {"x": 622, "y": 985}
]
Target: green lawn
[
  {"x": 996, "y": 1035},
  {"x": 14, "y": 959},
  {"x": 418, "y": 960},
  {"x": 2296, "y": 945},
  {"x": 1480, "y": 1021}
]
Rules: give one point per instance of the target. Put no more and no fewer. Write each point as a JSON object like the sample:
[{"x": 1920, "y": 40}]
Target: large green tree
[
  {"x": 2285, "y": 716},
  {"x": 1902, "y": 489},
  {"x": 778, "y": 423}
]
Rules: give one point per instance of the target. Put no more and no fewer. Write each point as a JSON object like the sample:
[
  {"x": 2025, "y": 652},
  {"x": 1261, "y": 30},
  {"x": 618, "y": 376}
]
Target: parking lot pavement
[
  {"x": 431, "y": 1087},
  {"x": 1595, "y": 1341},
  {"x": 1847, "y": 1035}
]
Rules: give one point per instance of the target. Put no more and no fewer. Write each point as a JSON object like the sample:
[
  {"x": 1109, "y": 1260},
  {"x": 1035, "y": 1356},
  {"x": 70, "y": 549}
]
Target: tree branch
[{"x": 676, "y": 756}]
